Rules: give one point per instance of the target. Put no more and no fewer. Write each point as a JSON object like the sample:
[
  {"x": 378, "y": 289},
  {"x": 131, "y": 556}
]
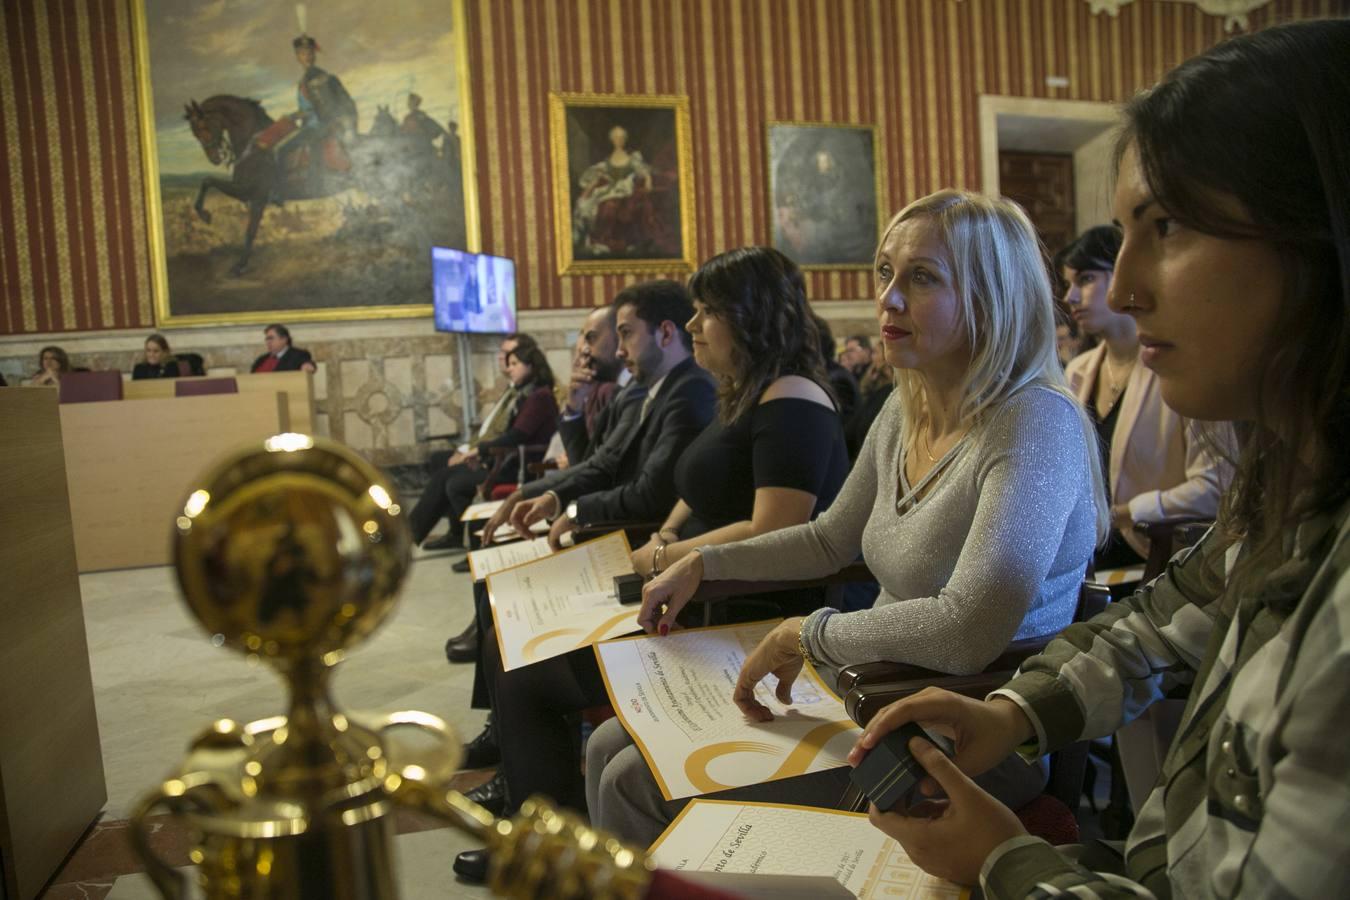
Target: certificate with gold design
[
  {"x": 673, "y": 694},
  {"x": 500, "y": 557},
  {"x": 562, "y": 602},
  {"x": 777, "y": 839},
  {"x": 481, "y": 512}
]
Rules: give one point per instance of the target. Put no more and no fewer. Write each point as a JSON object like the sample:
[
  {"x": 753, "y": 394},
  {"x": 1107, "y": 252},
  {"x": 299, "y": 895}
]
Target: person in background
[
  {"x": 1233, "y": 189},
  {"x": 874, "y": 387},
  {"x": 601, "y": 403},
  {"x": 857, "y": 355},
  {"x": 843, "y": 386},
  {"x": 597, "y": 375},
  {"x": 52, "y": 364},
  {"x": 159, "y": 361},
  {"x": 1070, "y": 340},
  {"x": 282, "y": 355},
  {"x": 494, "y": 422},
  {"x": 533, "y": 417},
  {"x": 1158, "y": 465},
  {"x": 976, "y": 500}
]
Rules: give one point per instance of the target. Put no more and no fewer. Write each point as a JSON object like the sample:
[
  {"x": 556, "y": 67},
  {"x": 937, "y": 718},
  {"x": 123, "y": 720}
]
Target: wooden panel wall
[{"x": 73, "y": 253}]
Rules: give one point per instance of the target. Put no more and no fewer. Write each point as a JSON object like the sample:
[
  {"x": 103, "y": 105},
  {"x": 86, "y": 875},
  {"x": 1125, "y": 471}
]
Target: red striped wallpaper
[
  {"x": 914, "y": 68},
  {"x": 73, "y": 246}
]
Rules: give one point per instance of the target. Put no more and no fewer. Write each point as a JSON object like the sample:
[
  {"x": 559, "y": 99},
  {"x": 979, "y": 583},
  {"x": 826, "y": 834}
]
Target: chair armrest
[
  {"x": 637, "y": 532},
  {"x": 1164, "y": 536},
  {"x": 864, "y": 702},
  {"x": 865, "y": 675},
  {"x": 1171, "y": 525},
  {"x": 716, "y": 591},
  {"x": 504, "y": 452},
  {"x": 539, "y": 468}
]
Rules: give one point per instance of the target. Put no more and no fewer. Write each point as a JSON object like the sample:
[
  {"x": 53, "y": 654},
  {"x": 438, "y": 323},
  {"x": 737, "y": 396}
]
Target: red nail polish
[{"x": 664, "y": 629}]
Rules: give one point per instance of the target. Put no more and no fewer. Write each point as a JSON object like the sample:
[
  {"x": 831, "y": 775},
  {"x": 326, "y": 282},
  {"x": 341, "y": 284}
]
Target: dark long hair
[
  {"x": 1096, "y": 248},
  {"x": 1265, "y": 118},
  {"x": 761, "y": 296},
  {"x": 61, "y": 358},
  {"x": 541, "y": 373}
]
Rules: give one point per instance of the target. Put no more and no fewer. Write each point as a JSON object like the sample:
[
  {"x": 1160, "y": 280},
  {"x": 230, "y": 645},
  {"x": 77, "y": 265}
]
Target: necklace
[
  {"x": 928, "y": 447},
  {"x": 1115, "y": 382}
]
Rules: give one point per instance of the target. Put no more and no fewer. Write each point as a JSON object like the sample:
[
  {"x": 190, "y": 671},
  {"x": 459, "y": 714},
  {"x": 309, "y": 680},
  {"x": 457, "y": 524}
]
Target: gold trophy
[{"x": 292, "y": 552}]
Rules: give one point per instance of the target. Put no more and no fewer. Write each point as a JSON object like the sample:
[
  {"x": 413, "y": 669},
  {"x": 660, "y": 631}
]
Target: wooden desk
[
  {"x": 51, "y": 764},
  {"x": 130, "y": 463},
  {"x": 298, "y": 387}
]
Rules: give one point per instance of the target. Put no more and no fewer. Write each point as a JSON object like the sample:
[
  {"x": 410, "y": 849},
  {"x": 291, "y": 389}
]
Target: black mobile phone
[
  {"x": 889, "y": 773},
  {"x": 628, "y": 588}
]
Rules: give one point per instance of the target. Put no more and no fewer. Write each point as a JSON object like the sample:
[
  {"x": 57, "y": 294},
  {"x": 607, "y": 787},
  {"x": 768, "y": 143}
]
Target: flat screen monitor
[{"x": 473, "y": 293}]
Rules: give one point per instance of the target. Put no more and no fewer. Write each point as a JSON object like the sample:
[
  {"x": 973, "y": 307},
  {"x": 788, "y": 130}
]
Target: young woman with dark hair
[
  {"x": 1234, "y": 195},
  {"x": 533, "y": 418},
  {"x": 52, "y": 364},
  {"x": 1159, "y": 465},
  {"x": 776, "y": 454}
]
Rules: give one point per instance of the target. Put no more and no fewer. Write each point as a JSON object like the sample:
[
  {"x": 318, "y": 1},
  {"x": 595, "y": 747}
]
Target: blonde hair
[{"x": 1006, "y": 306}]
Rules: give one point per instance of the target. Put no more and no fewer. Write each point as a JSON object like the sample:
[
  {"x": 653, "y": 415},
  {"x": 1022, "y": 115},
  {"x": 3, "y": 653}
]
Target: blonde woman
[{"x": 977, "y": 498}]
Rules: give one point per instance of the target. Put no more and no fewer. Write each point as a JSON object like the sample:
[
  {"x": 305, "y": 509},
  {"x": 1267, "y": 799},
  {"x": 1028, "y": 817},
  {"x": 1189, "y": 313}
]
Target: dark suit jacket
[
  {"x": 291, "y": 361},
  {"x": 634, "y": 481},
  {"x": 612, "y": 426},
  {"x": 582, "y": 433}
]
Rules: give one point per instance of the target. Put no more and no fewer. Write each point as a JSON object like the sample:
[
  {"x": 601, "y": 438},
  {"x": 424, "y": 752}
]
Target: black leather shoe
[
  {"x": 461, "y": 566},
  {"x": 444, "y": 542},
  {"x": 472, "y": 866},
  {"x": 463, "y": 647},
  {"x": 482, "y": 751},
  {"x": 491, "y": 795}
]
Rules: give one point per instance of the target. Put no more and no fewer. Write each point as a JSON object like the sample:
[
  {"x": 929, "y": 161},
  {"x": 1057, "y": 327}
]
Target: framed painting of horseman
[{"x": 302, "y": 159}]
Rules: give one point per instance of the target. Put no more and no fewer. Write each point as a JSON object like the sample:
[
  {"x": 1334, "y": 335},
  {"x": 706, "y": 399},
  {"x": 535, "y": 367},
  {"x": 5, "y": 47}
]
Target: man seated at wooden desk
[{"x": 281, "y": 356}]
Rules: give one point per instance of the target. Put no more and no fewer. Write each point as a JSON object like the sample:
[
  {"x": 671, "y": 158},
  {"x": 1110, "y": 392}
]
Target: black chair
[
  {"x": 870, "y": 687},
  {"x": 1168, "y": 536},
  {"x": 190, "y": 364}
]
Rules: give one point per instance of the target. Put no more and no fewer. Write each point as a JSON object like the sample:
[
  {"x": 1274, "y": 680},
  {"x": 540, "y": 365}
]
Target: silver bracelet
[{"x": 657, "y": 554}]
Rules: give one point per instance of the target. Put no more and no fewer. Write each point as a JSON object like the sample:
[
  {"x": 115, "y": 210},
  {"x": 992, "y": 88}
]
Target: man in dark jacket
[
  {"x": 634, "y": 480},
  {"x": 281, "y": 356}
]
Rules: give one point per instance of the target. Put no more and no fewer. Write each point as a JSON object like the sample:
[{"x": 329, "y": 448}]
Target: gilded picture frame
[
  {"x": 352, "y": 209},
  {"x": 824, "y": 192},
  {"x": 623, "y": 188}
]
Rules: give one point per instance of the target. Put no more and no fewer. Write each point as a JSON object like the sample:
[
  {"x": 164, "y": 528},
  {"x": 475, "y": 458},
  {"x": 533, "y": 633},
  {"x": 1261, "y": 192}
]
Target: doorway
[{"x": 1051, "y": 156}]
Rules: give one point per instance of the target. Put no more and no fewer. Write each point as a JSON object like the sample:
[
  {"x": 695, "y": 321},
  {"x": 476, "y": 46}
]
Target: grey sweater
[{"x": 995, "y": 551}]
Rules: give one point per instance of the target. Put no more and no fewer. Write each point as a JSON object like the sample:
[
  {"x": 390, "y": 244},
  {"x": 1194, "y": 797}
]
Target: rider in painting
[{"x": 325, "y": 110}]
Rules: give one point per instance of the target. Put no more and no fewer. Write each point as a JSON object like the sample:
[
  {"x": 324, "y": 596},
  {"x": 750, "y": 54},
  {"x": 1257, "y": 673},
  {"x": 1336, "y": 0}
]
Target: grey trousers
[{"x": 624, "y": 799}]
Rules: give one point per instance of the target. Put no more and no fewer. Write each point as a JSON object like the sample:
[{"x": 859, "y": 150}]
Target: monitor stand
[{"x": 468, "y": 398}]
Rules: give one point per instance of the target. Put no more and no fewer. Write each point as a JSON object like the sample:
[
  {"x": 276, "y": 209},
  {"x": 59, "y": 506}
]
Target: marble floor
[{"x": 158, "y": 681}]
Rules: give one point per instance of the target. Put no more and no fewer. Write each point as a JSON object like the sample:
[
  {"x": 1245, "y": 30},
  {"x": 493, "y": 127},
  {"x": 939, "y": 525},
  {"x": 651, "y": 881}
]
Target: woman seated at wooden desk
[
  {"x": 158, "y": 362},
  {"x": 52, "y": 364},
  {"x": 976, "y": 500}
]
